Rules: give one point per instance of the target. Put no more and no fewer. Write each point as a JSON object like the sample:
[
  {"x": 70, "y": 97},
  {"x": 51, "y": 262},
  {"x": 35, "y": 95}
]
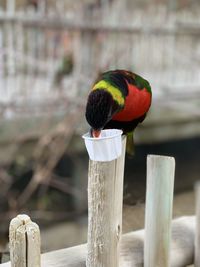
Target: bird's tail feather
[{"x": 130, "y": 144}]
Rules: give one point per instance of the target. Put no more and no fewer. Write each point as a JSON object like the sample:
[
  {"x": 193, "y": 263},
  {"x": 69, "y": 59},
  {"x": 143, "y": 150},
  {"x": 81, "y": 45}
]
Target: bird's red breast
[{"x": 137, "y": 103}]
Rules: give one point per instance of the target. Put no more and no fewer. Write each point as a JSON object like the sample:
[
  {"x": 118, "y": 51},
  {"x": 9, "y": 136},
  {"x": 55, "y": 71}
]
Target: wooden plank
[
  {"x": 158, "y": 214},
  {"x": 63, "y": 24},
  {"x": 17, "y": 241},
  {"x": 105, "y": 197},
  {"x": 155, "y": 133},
  {"x": 24, "y": 239},
  {"x": 33, "y": 245},
  {"x": 131, "y": 250},
  {"x": 10, "y": 6},
  {"x": 197, "y": 233}
]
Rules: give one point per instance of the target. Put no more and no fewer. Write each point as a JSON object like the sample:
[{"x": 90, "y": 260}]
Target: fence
[
  {"x": 50, "y": 56},
  {"x": 164, "y": 243},
  {"x": 37, "y": 44}
]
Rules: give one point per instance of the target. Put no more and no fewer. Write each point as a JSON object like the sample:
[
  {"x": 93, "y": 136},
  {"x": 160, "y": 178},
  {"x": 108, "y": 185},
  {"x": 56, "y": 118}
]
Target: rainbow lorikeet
[{"x": 119, "y": 99}]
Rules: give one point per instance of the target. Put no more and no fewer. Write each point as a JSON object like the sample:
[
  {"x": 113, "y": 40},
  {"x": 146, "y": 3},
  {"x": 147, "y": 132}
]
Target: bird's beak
[{"x": 95, "y": 133}]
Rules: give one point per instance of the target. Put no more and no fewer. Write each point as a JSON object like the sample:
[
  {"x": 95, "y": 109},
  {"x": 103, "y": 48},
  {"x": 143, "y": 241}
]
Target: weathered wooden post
[
  {"x": 105, "y": 196},
  {"x": 197, "y": 227},
  {"x": 158, "y": 215},
  {"x": 24, "y": 239}
]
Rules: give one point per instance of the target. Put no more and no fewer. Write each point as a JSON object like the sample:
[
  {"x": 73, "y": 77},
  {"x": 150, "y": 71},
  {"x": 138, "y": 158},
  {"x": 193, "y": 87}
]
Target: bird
[{"x": 119, "y": 99}]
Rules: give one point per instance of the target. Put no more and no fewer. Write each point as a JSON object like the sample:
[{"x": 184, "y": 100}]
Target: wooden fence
[
  {"x": 164, "y": 242},
  {"x": 34, "y": 43}
]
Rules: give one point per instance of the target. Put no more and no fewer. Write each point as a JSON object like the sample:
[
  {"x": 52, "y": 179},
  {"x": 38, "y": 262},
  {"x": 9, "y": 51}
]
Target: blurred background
[{"x": 50, "y": 54}]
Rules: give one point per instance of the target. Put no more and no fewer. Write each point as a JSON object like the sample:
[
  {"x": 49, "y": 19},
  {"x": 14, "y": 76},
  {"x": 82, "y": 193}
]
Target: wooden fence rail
[
  {"x": 164, "y": 242},
  {"x": 131, "y": 250}
]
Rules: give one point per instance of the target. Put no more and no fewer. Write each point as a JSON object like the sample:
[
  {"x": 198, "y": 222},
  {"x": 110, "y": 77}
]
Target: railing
[{"x": 164, "y": 242}]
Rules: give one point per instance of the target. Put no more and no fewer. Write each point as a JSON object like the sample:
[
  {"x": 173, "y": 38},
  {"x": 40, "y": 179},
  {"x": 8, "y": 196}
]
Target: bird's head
[{"x": 99, "y": 110}]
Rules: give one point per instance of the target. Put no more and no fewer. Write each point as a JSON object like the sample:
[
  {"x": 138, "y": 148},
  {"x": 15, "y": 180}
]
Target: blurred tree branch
[{"x": 49, "y": 150}]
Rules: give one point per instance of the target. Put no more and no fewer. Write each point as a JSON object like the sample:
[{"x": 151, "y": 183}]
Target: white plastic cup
[{"x": 107, "y": 147}]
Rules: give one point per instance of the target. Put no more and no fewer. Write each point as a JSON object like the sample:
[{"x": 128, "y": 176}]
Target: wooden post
[
  {"x": 105, "y": 196},
  {"x": 10, "y": 6},
  {"x": 158, "y": 215},
  {"x": 197, "y": 232},
  {"x": 24, "y": 240}
]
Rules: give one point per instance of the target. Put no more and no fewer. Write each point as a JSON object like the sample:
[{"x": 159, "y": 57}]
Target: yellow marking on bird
[{"x": 114, "y": 91}]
